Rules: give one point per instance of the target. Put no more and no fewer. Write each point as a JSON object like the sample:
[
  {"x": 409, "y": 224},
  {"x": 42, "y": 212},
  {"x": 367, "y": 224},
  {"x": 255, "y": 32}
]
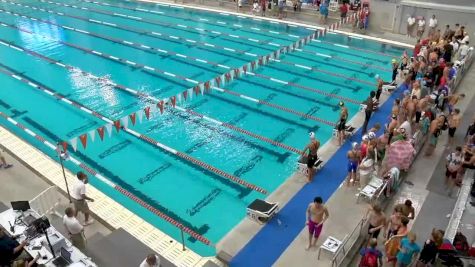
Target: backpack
[
  {"x": 370, "y": 259},
  {"x": 461, "y": 244}
]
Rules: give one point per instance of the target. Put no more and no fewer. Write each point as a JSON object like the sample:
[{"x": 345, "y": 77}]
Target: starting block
[
  {"x": 302, "y": 165},
  {"x": 387, "y": 88},
  {"x": 261, "y": 211},
  {"x": 349, "y": 131},
  {"x": 375, "y": 106}
]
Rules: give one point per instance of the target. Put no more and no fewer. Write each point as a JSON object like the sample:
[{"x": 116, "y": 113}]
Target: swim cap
[
  {"x": 393, "y": 60},
  {"x": 341, "y": 104},
  {"x": 312, "y": 135},
  {"x": 376, "y": 76},
  {"x": 365, "y": 137},
  {"x": 354, "y": 145},
  {"x": 371, "y": 135}
]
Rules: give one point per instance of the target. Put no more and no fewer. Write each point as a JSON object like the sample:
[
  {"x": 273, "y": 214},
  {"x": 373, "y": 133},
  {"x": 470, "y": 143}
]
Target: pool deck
[
  {"x": 294, "y": 190},
  {"x": 105, "y": 209}
]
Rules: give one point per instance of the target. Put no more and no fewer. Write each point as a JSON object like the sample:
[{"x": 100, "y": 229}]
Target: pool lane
[{"x": 149, "y": 10}]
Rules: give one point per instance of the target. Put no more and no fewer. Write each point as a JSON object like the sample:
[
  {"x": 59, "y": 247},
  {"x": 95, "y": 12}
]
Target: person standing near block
[
  {"x": 317, "y": 214},
  {"x": 79, "y": 198}
]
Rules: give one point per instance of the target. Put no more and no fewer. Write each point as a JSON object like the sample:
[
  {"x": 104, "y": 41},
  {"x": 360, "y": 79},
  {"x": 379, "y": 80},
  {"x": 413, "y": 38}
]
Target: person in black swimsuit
[
  {"x": 341, "y": 125},
  {"x": 312, "y": 156}
]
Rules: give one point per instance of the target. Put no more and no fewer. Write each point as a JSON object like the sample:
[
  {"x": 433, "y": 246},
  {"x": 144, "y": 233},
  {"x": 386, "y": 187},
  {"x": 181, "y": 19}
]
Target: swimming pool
[{"x": 160, "y": 51}]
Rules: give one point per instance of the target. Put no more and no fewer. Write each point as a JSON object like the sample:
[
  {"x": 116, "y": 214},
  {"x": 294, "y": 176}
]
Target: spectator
[
  {"x": 79, "y": 197},
  {"x": 263, "y": 4},
  {"x": 463, "y": 51},
  {"x": 408, "y": 251},
  {"x": 371, "y": 256},
  {"x": 323, "y": 13},
  {"x": 430, "y": 249},
  {"x": 407, "y": 210},
  {"x": 411, "y": 21},
  {"x": 281, "y": 4},
  {"x": 447, "y": 32},
  {"x": 74, "y": 229},
  {"x": 432, "y": 26},
  {"x": 343, "y": 10},
  {"x": 421, "y": 26},
  {"x": 453, "y": 166},
  {"x": 152, "y": 260}
]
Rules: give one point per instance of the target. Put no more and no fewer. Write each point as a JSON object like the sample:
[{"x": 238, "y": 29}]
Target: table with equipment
[{"x": 55, "y": 250}]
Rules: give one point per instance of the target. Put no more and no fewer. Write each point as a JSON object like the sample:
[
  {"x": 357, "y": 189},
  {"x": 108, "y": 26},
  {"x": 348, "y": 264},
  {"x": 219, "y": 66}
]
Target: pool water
[{"x": 201, "y": 200}]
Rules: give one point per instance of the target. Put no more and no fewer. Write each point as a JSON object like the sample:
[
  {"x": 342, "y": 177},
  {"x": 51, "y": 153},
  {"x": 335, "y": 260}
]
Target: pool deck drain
[{"x": 114, "y": 214}]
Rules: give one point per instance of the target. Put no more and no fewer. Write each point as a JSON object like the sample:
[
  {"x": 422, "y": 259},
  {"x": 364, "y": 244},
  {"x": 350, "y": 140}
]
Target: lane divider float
[
  {"x": 147, "y": 139},
  {"x": 108, "y": 182},
  {"x": 179, "y": 77},
  {"x": 138, "y": 94}
]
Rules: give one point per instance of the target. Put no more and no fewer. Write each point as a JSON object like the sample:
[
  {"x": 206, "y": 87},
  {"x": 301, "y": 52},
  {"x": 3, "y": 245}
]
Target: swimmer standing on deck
[
  {"x": 312, "y": 157},
  {"x": 317, "y": 214},
  {"x": 341, "y": 125}
]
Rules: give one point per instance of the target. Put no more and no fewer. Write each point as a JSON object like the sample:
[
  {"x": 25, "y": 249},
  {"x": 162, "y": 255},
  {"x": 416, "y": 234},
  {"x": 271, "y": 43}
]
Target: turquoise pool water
[{"x": 205, "y": 202}]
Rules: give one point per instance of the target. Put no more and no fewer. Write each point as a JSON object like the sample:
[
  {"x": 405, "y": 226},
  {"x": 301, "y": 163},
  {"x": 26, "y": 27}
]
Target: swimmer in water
[
  {"x": 341, "y": 125},
  {"x": 312, "y": 157}
]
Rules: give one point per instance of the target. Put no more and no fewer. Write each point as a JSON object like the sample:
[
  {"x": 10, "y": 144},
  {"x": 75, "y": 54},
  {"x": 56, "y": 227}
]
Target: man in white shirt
[
  {"x": 463, "y": 51},
  {"x": 78, "y": 195},
  {"x": 152, "y": 260},
  {"x": 455, "y": 45},
  {"x": 410, "y": 25},
  {"x": 421, "y": 27},
  {"x": 432, "y": 25},
  {"x": 74, "y": 229}
]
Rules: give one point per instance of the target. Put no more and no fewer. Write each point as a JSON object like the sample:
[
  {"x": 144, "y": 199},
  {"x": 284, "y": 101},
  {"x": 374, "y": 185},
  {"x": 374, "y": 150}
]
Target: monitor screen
[
  {"x": 65, "y": 254},
  {"x": 20, "y": 205}
]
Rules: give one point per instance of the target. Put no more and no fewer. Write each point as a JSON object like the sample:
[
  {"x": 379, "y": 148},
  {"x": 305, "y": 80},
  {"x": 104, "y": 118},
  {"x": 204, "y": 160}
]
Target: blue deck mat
[{"x": 272, "y": 240}]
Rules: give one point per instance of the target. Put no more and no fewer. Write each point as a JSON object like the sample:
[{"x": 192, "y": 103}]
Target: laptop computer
[{"x": 64, "y": 258}]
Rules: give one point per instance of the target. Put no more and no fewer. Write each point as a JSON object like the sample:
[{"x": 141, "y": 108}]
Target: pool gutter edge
[
  {"x": 309, "y": 26},
  {"x": 49, "y": 171}
]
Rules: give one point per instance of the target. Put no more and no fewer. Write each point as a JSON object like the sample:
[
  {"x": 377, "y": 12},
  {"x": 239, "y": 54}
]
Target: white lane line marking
[
  {"x": 323, "y": 55},
  {"x": 303, "y": 67},
  {"x": 229, "y": 49},
  {"x": 279, "y": 81},
  {"x": 295, "y": 36},
  {"x": 344, "y": 46},
  {"x": 221, "y": 22},
  {"x": 256, "y": 29},
  {"x": 274, "y": 32}
]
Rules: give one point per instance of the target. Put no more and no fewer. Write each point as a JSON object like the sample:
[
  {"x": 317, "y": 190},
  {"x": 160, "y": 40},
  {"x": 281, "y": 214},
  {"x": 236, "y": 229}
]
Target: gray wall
[{"x": 391, "y": 15}]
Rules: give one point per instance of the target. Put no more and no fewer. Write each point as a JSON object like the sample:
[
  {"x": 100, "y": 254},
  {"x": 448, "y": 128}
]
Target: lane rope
[
  {"x": 149, "y": 140},
  {"x": 179, "y": 77},
  {"x": 138, "y": 94},
  {"x": 108, "y": 182}
]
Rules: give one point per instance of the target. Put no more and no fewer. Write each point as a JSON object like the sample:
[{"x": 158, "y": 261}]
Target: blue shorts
[{"x": 352, "y": 166}]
